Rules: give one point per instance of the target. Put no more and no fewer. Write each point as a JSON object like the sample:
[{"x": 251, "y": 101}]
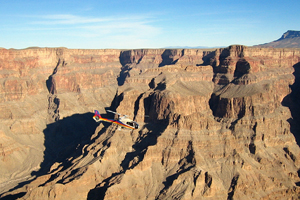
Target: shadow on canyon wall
[
  {"x": 168, "y": 57},
  {"x": 131, "y": 160},
  {"x": 292, "y": 101},
  {"x": 64, "y": 142},
  {"x": 13, "y": 196},
  {"x": 126, "y": 66},
  {"x": 129, "y": 61},
  {"x": 65, "y": 138}
]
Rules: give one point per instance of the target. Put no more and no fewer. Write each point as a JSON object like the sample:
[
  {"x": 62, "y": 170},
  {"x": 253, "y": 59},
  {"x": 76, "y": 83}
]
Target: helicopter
[{"x": 123, "y": 121}]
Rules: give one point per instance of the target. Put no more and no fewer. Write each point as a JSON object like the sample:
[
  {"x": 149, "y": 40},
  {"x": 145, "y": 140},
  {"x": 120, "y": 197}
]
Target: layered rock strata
[{"x": 214, "y": 124}]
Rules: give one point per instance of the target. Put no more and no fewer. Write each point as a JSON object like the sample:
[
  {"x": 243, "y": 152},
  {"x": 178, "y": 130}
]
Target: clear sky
[{"x": 130, "y": 24}]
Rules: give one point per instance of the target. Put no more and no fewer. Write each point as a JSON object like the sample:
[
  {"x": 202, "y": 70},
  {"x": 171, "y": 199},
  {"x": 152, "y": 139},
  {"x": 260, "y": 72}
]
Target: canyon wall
[{"x": 214, "y": 124}]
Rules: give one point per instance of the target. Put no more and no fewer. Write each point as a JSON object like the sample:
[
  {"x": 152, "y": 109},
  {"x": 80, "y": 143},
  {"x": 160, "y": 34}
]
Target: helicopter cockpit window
[{"x": 130, "y": 123}]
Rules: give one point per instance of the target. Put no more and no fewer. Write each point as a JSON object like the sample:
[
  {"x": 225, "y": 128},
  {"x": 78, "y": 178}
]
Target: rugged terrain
[
  {"x": 214, "y": 124},
  {"x": 290, "y": 39}
]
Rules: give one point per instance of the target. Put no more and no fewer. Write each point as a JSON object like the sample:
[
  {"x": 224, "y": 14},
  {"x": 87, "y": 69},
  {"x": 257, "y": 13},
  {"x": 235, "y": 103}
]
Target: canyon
[{"x": 214, "y": 123}]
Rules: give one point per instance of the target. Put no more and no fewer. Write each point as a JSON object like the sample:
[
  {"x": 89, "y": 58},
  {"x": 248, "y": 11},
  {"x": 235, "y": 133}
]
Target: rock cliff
[{"x": 214, "y": 124}]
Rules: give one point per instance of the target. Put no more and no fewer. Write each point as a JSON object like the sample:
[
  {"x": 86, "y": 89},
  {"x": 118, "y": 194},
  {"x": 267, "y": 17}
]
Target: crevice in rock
[
  {"x": 232, "y": 187},
  {"x": 50, "y": 82},
  {"x": 290, "y": 154},
  {"x": 139, "y": 60},
  {"x": 252, "y": 146},
  {"x": 53, "y": 100},
  {"x": 208, "y": 182},
  {"x": 137, "y": 106}
]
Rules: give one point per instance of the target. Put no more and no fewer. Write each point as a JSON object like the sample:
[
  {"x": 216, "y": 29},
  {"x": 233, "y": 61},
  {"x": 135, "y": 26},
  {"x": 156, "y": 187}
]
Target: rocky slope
[
  {"x": 214, "y": 124},
  {"x": 290, "y": 39}
]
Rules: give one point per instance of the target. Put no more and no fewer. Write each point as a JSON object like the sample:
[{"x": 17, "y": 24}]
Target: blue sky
[{"x": 130, "y": 24}]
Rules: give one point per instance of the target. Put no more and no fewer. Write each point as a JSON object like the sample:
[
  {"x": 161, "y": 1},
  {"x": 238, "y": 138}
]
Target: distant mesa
[
  {"x": 290, "y": 34},
  {"x": 290, "y": 39}
]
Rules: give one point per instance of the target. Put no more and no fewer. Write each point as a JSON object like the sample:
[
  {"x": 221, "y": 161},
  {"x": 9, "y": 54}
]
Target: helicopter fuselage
[{"x": 122, "y": 121}]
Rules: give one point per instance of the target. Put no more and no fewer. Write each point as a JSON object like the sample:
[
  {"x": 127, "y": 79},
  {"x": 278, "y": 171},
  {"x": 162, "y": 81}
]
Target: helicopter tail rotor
[{"x": 97, "y": 117}]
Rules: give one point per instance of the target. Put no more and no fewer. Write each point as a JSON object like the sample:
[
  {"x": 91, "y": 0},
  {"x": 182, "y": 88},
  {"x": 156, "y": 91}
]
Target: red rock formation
[{"x": 214, "y": 124}]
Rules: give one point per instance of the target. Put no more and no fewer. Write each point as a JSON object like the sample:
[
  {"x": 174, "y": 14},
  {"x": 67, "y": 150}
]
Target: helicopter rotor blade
[{"x": 113, "y": 112}]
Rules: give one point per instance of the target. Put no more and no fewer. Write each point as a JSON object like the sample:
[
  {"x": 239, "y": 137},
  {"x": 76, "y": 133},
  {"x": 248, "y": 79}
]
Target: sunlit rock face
[{"x": 214, "y": 124}]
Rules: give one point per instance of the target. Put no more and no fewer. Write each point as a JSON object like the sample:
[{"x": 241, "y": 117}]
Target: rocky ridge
[
  {"x": 215, "y": 124},
  {"x": 290, "y": 39}
]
